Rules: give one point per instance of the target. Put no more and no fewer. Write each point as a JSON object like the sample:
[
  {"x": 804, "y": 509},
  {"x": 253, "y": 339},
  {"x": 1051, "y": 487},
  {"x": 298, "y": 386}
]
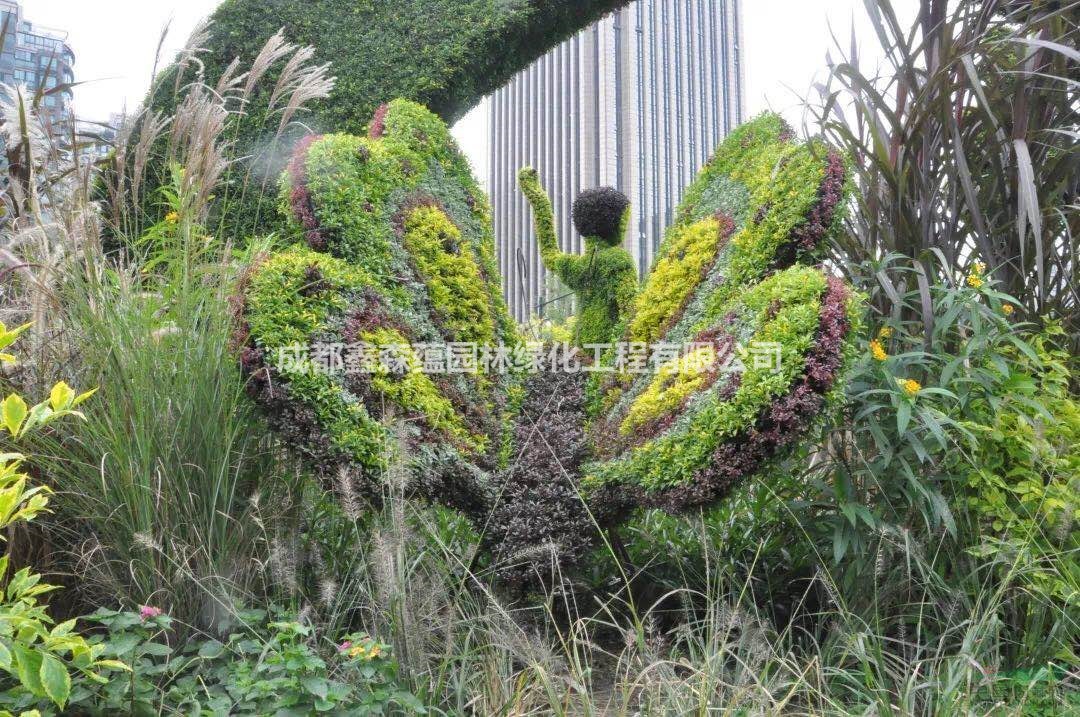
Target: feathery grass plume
[
  {"x": 275, "y": 49},
  {"x": 290, "y": 75},
  {"x": 188, "y": 55},
  {"x": 283, "y": 563},
  {"x": 229, "y": 79},
  {"x": 26, "y": 147},
  {"x": 151, "y": 127},
  {"x": 346, "y": 490},
  {"x": 196, "y": 144},
  {"x": 313, "y": 83}
]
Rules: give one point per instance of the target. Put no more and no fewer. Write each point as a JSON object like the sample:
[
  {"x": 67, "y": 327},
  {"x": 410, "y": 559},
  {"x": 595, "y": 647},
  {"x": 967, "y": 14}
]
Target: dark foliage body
[{"x": 540, "y": 524}]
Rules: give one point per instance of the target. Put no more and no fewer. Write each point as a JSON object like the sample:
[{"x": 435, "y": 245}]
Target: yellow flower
[
  {"x": 979, "y": 267},
  {"x": 172, "y": 218},
  {"x": 364, "y": 651},
  {"x": 911, "y": 386},
  {"x": 1007, "y": 309},
  {"x": 974, "y": 281},
  {"x": 885, "y": 332},
  {"x": 877, "y": 351}
]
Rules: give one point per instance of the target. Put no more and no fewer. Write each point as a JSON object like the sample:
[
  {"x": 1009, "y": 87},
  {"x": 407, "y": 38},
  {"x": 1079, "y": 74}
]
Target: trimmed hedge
[{"x": 444, "y": 54}]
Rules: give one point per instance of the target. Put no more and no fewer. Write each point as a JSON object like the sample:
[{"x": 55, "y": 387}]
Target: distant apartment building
[
  {"x": 39, "y": 59},
  {"x": 97, "y": 139},
  {"x": 638, "y": 101}
]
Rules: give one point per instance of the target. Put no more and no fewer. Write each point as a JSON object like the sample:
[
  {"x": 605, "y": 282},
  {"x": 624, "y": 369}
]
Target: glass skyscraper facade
[
  {"x": 38, "y": 58},
  {"x": 638, "y": 101}
]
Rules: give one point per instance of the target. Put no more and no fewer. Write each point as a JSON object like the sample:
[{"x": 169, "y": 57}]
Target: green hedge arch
[{"x": 444, "y": 54}]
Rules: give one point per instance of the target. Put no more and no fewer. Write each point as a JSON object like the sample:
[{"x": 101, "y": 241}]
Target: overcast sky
[{"x": 115, "y": 40}]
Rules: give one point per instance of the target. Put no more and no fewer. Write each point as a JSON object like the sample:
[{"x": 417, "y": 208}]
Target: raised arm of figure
[{"x": 544, "y": 220}]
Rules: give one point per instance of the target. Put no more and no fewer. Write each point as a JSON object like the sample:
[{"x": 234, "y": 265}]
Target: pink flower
[
  {"x": 146, "y": 612},
  {"x": 344, "y": 646}
]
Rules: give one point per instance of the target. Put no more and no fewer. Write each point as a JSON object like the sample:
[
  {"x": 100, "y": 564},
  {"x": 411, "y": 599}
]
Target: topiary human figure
[{"x": 604, "y": 278}]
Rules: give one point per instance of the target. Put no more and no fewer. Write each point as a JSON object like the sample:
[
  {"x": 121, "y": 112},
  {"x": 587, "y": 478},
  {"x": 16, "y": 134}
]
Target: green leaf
[
  {"x": 8, "y": 336},
  {"x": 5, "y": 657},
  {"x": 317, "y": 686},
  {"x": 903, "y": 416},
  {"x": 840, "y": 542},
  {"x": 211, "y": 649},
  {"x": 112, "y": 665},
  {"x": 28, "y": 662},
  {"x": 55, "y": 679},
  {"x": 849, "y": 511},
  {"x": 82, "y": 397},
  {"x": 64, "y": 628},
  {"x": 61, "y": 396},
  {"x": 13, "y": 412}
]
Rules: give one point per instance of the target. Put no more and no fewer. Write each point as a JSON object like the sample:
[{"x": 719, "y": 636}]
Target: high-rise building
[
  {"x": 40, "y": 59},
  {"x": 638, "y": 101}
]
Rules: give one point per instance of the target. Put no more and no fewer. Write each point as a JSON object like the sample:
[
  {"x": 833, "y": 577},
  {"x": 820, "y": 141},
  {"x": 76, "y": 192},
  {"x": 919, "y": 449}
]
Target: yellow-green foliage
[
  {"x": 412, "y": 390},
  {"x": 1024, "y": 478},
  {"x": 782, "y": 309},
  {"x": 675, "y": 381},
  {"x": 282, "y": 310},
  {"x": 690, "y": 251},
  {"x": 766, "y": 183},
  {"x": 37, "y": 655},
  {"x": 346, "y": 422},
  {"x": 290, "y": 298},
  {"x": 783, "y": 181},
  {"x": 451, "y": 274}
]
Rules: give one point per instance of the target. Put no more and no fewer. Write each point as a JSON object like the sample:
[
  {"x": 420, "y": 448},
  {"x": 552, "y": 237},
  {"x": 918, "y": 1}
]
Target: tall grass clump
[
  {"x": 157, "y": 491},
  {"x": 156, "y": 497},
  {"x": 965, "y": 150}
]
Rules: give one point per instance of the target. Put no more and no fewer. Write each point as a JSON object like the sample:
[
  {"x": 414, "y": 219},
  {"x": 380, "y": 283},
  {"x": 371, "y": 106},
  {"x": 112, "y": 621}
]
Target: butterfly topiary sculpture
[{"x": 394, "y": 258}]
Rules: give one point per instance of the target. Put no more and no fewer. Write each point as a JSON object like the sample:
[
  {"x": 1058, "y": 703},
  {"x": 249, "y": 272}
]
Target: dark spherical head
[{"x": 599, "y": 212}]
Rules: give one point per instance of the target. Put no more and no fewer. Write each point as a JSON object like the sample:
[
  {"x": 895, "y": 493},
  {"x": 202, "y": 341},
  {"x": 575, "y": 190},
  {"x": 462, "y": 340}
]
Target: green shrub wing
[
  {"x": 392, "y": 264},
  {"x": 750, "y": 338}
]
